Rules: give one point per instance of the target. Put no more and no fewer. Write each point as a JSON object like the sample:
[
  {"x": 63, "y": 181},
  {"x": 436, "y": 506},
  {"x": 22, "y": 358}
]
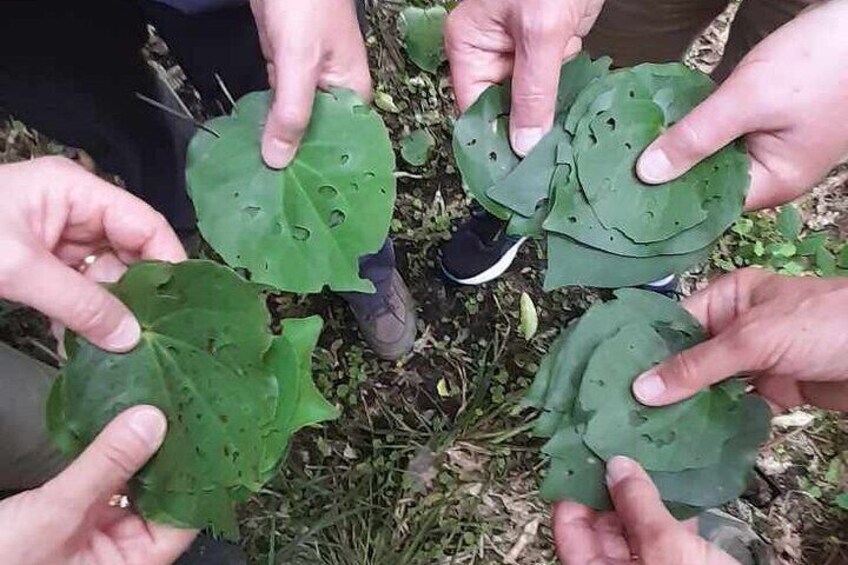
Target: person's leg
[
  {"x": 655, "y": 31},
  {"x": 77, "y": 83},
  {"x": 28, "y": 457},
  {"x": 754, "y": 21}
]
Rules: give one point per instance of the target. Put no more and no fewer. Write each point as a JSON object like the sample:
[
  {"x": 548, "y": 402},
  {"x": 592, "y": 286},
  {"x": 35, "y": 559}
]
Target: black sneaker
[{"x": 480, "y": 251}]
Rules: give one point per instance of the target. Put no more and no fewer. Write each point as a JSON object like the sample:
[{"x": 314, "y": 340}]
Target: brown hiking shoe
[{"x": 389, "y": 323}]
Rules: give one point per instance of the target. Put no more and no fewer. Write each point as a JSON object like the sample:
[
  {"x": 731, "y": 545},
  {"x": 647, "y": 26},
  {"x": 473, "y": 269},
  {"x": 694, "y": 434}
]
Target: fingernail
[
  {"x": 149, "y": 424},
  {"x": 618, "y": 468},
  {"x": 654, "y": 167},
  {"x": 525, "y": 139},
  {"x": 125, "y": 336},
  {"x": 279, "y": 153},
  {"x": 648, "y": 387}
]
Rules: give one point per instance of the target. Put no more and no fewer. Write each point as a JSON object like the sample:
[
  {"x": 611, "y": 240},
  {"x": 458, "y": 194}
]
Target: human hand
[
  {"x": 789, "y": 334},
  {"x": 308, "y": 45},
  {"x": 639, "y": 531},
  {"x": 70, "y": 519},
  {"x": 489, "y": 40},
  {"x": 54, "y": 216},
  {"x": 788, "y": 97}
]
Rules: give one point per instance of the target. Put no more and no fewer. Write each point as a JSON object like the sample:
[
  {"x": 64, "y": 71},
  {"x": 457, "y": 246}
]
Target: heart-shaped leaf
[
  {"x": 304, "y": 227},
  {"x": 416, "y": 147},
  {"x": 233, "y": 394},
  {"x": 423, "y": 32}
]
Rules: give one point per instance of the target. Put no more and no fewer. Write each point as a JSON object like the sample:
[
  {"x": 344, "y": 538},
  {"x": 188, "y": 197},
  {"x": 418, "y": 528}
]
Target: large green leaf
[
  {"x": 570, "y": 263},
  {"x": 686, "y": 435},
  {"x": 232, "y": 393},
  {"x": 699, "y": 452},
  {"x": 423, "y": 32},
  {"x": 304, "y": 227}
]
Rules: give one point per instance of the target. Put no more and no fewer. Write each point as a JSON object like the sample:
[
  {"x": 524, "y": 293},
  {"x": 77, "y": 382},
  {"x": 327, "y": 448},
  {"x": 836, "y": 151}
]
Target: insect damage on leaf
[
  {"x": 304, "y": 227},
  {"x": 233, "y": 393},
  {"x": 578, "y": 186},
  {"x": 699, "y": 452}
]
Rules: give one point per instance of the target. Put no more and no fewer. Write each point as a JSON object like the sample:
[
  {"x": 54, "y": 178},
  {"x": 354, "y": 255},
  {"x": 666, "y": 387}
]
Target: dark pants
[{"x": 75, "y": 68}]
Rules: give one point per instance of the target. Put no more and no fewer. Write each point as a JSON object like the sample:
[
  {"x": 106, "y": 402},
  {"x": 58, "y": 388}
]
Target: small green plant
[
  {"x": 577, "y": 188},
  {"x": 416, "y": 147},
  {"x": 233, "y": 393},
  {"x": 699, "y": 452},
  {"x": 423, "y": 32},
  {"x": 782, "y": 246}
]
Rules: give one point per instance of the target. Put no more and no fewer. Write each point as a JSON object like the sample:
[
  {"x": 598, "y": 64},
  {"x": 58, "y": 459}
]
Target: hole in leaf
[
  {"x": 611, "y": 123},
  {"x": 236, "y": 194},
  {"x": 361, "y": 110},
  {"x": 493, "y": 157},
  {"x": 637, "y": 418},
  {"x": 572, "y": 219},
  {"x": 471, "y": 143},
  {"x": 252, "y": 211},
  {"x": 628, "y": 145},
  {"x": 328, "y": 191},
  {"x": 369, "y": 175},
  {"x": 301, "y": 234},
  {"x": 277, "y": 228},
  {"x": 337, "y": 218},
  {"x": 345, "y": 159},
  {"x": 354, "y": 186},
  {"x": 649, "y": 215},
  {"x": 631, "y": 94}
]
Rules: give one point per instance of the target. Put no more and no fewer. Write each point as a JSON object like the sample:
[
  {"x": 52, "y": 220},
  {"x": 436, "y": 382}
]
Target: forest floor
[{"x": 431, "y": 461}]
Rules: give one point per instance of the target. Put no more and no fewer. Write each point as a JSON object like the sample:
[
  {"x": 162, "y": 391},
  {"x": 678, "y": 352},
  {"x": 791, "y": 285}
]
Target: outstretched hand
[
  {"x": 488, "y": 40},
  {"x": 787, "y": 97},
  {"x": 790, "y": 334},
  {"x": 70, "y": 519},
  {"x": 54, "y": 216},
  {"x": 307, "y": 45},
  {"x": 640, "y": 530}
]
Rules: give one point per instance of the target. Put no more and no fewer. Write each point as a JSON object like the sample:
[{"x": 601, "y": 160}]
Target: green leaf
[
  {"x": 743, "y": 226},
  {"x": 416, "y": 147},
  {"x": 842, "y": 500},
  {"x": 570, "y": 264},
  {"x": 423, "y": 32},
  {"x": 785, "y": 249},
  {"x": 576, "y": 473},
  {"x": 482, "y": 149},
  {"x": 808, "y": 246},
  {"x": 529, "y": 317},
  {"x": 825, "y": 262},
  {"x": 304, "y": 227},
  {"x": 789, "y": 222},
  {"x": 209, "y": 362},
  {"x": 842, "y": 258}
]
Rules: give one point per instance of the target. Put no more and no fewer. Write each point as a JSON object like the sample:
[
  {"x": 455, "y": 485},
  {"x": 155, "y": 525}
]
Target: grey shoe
[
  {"x": 388, "y": 323},
  {"x": 734, "y": 537}
]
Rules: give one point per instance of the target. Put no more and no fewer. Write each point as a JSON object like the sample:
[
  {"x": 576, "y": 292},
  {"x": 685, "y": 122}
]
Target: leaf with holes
[
  {"x": 304, "y": 227},
  {"x": 699, "y": 452},
  {"x": 423, "y": 33},
  {"x": 232, "y": 393},
  {"x": 416, "y": 147}
]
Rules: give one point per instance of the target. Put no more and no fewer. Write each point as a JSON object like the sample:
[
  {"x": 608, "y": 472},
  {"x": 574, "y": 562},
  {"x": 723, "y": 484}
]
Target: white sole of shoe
[{"x": 492, "y": 272}]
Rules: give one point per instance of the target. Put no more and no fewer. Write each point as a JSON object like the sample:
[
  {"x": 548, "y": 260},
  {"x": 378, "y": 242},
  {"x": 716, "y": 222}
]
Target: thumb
[
  {"x": 121, "y": 449},
  {"x": 538, "y": 57},
  {"x": 80, "y": 304},
  {"x": 711, "y": 125},
  {"x": 637, "y": 503},
  {"x": 692, "y": 370},
  {"x": 295, "y": 81}
]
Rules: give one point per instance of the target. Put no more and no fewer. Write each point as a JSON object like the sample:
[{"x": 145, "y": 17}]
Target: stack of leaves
[
  {"x": 699, "y": 452},
  {"x": 578, "y": 186},
  {"x": 233, "y": 392},
  {"x": 304, "y": 227}
]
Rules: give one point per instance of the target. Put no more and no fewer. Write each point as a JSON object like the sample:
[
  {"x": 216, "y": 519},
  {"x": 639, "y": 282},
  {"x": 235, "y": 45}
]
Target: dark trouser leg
[
  {"x": 73, "y": 76},
  {"x": 28, "y": 457}
]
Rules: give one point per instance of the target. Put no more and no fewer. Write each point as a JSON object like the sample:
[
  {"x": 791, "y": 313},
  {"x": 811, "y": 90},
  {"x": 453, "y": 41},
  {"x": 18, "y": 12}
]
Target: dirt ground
[{"x": 431, "y": 461}]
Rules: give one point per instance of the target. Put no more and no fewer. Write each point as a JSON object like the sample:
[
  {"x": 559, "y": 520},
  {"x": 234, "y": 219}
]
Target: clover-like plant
[
  {"x": 699, "y": 452},
  {"x": 578, "y": 187},
  {"x": 304, "y": 227},
  {"x": 233, "y": 392}
]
